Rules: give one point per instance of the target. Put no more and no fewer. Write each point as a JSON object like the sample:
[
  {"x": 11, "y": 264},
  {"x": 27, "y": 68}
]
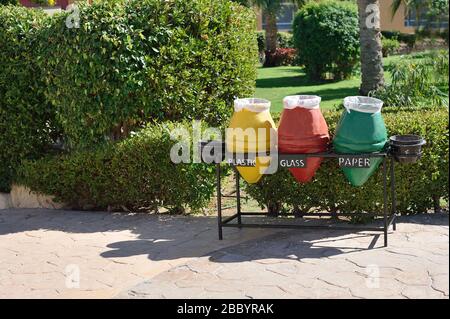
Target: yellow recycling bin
[{"x": 250, "y": 132}]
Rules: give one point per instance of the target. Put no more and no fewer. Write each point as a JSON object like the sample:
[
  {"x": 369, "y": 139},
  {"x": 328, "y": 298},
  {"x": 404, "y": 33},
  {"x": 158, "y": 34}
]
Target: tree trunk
[
  {"x": 271, "y": 31},
  {"x": 437, "y": 204},
  {"x": 372, "y": 73},
  {"x": 273, "y": 208}
]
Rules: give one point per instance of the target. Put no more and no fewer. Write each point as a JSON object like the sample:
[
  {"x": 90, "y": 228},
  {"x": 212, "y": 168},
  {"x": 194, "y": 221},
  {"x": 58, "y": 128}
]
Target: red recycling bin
[{"x": 303, "y": 129}]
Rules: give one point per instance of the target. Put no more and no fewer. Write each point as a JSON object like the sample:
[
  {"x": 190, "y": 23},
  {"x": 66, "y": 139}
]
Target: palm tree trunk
[
  {"x": 372, "y": 72},
  {"x": 271, "y": 31}
]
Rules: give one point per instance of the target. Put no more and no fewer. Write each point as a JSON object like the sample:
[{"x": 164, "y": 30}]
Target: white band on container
[
  {"x": 251, "y": 104},
  {"x": 303, "y": 101},
  {"x": 363, "y": 104}
]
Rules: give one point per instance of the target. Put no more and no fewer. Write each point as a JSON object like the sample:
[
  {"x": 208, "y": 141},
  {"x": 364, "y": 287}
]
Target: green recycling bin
[{"x": 361, "y": 129}]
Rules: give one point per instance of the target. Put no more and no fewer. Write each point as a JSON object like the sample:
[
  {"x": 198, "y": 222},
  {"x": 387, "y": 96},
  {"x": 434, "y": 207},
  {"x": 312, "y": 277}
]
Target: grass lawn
[{"x": 276, "y": 83}]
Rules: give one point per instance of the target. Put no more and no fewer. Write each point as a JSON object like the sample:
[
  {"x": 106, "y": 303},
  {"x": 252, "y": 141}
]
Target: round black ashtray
[{"x": 407, "y": 149}]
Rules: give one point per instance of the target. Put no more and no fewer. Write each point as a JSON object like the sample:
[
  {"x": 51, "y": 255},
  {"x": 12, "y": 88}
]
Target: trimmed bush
[
  {"x": 444, "y": 35},
  {"x": 281, "y": 57},
  {"x": 409, "y": 39},
  {"x": 390, "y": 46},
  {"x": 285, "y": 40},
  {"x": 140, "y": 60},
  {"x": 419, "y": 186},
  {"x": 326, "y": 36},
  {"x": 6, "y": 2},
  {"x": 261, "y": 38},
  {"x": 129, "y": 63},
  {"x": 135, "y": 173},
  {"x": 26, "y": 119}
]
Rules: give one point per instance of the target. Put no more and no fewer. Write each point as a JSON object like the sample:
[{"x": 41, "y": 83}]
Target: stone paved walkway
[{"x": 43, "y": 253}]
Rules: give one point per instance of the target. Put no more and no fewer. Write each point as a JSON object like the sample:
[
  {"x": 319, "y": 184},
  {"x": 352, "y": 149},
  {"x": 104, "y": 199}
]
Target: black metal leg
[
  {"x": 393, "y": 194},
  {"x": 385, "y": 204},
  {"x": 219, "y": 201},
  {"x": 238, "y": 198}
]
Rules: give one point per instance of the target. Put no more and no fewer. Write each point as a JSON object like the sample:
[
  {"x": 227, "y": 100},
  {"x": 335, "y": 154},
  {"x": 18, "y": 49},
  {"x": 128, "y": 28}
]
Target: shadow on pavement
[{"x": 163, "y": 237}]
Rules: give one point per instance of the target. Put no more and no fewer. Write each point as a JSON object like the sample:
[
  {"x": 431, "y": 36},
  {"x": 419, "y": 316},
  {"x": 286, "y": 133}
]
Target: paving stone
[
  {"x": 342, "y": 279},
  {"x": 440, "y": 283},
  {"x": 381, "y": 288},
  {"x": 416, "y": 278},
  {"x": 195, "y": 280},
  {"x": 284, "y": 269},
  {"x": 417, "y": 292},
  {"x": 150, "y": 256},
  {"x": 266, "y": 292},
  {"x": 324, "y": 290}
]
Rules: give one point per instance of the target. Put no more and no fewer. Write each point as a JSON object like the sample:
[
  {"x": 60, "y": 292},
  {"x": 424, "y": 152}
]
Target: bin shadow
[
  {"x": 293, "y": 246},
  {"x": 245, "y": 244}
]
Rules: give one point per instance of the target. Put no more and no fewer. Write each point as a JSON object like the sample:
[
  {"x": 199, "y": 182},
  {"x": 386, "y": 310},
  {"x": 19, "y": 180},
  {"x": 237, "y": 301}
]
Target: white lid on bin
[
  {"x": 363, "y": 104},
  {"x": 252, "y": 104},
  {"x": 303, "y": 101}
]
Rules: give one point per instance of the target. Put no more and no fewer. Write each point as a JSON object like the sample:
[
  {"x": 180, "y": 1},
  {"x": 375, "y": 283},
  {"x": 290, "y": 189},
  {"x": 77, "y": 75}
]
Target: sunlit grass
[{"x": 276, "y": 83}]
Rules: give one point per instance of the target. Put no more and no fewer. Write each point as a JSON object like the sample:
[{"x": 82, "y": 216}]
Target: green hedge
[
  {"x": 409, "y": 39},
  {"x": 419, "y": 186},
  {"x": 285, "y": 40},
  {"x": 6, "y": 2},
  {"x": 326, "y": 36},
  {"x": 390, "y": 46},
  {"x": 135, "y": 173},
  {"x": 131, "y": 61},
  {"x": 26, "y": 119}
]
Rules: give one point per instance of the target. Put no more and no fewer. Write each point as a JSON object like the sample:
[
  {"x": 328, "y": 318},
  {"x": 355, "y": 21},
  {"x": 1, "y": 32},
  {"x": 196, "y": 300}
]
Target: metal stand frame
[{"x": 388, "y": 219}]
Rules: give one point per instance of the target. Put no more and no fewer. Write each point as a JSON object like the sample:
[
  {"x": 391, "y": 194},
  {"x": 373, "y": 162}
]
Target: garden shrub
[
  {"x": 419, "y": 186},
  {"x": 409, "y": 39},
  {"x": 326, "y": 36},
  {"x": 444, "y": 34},
  {"x": 140, "y": 60},
  {"x": 130, "y": 62},
  {"x": 26, "y": 119},
  {"x": 285, "y": 40},
  {"x": 261, "y": 38},
  {"x": 390, "y": 46},
  {"x": 135, "y": 173},
  {"x": 418, "y": 81},
  {"x": 281, "y": 57},
  {"x": 50, "y": 3},
  {"x": 6, "y": 2}
]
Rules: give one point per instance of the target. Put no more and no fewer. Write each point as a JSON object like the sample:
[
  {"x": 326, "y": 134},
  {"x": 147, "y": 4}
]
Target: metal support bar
[
  {"x": 314, "y": 214},
  {"x": 392, "y": 220},
  {"x": 385, "y": 204},
  {"x": 238, "y": 196},
  {"x": 393, "y": 194},
  {"x": 229, "y": 219},
  {"x": 219, "y": 200},
  {"x": 293, "y": 226}
]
